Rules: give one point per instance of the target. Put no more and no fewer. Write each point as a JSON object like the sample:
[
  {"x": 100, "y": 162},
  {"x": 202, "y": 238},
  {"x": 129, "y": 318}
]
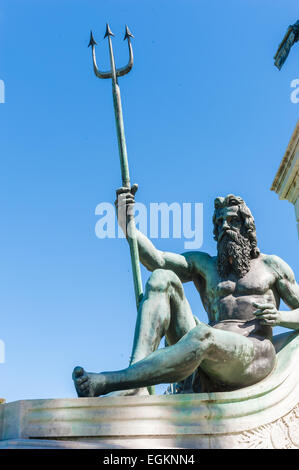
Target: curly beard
[{"x": 233, "y": 254}]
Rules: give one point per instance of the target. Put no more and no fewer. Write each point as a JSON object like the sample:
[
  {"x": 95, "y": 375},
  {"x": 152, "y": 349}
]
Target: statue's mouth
[
  {"x": 233, "y": 234},
  {"x": 228, "y": 232}
]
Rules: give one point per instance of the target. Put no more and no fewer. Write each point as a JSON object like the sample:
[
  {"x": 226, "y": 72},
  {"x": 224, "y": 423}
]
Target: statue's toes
[
  {"x": 78, "y": 372},
  {"x": 83, "y": 390}
]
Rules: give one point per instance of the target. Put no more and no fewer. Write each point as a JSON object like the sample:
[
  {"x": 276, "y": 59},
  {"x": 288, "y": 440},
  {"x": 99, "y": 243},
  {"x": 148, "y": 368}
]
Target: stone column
[
  {"x": 297, "y": 213},
  {"x": 286, "y": 182}
]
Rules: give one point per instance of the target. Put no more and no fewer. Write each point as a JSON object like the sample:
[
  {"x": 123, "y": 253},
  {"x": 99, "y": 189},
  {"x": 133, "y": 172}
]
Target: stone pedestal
[{"x": 265, "y": 415}]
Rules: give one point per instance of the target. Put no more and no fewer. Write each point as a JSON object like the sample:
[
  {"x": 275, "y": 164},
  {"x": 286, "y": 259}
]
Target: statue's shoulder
[
  {"x": 199, "y": 260},
  {"x": 278, "y": 265}
]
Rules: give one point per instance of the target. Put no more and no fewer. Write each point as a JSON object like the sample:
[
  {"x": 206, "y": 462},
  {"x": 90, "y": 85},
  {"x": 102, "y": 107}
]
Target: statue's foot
[
  {"x": 129, "y": 393},
  {"x": 88, "y": 384}
]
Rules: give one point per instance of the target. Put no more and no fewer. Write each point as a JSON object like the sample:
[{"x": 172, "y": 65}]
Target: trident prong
[
  {"x": 128, "y": 67},
  {"x": 118, "y": 72},
  {"x": 99, "y": 74}
]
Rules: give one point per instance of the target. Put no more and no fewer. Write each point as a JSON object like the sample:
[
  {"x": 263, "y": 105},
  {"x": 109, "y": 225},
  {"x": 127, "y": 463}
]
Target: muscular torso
[{"x": 229, "y": 302}]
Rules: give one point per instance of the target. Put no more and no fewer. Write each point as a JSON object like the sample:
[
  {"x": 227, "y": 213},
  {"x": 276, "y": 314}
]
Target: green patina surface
[{"x": 240, "y": 289}]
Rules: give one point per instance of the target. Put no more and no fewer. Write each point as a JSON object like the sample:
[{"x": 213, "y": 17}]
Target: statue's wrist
[
  {"x": 130, "y": 213},
  {"x": 280, "y": 318}
]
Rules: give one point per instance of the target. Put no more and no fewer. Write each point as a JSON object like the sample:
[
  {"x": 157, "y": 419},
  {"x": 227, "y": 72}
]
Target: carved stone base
[
  {"x": 265, "y": 415},
  {"x": 281, "y": 434}
]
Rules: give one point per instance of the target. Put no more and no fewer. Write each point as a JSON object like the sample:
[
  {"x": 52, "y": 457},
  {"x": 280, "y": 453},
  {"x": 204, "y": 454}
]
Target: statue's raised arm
[{"x": 149, "y": 255}]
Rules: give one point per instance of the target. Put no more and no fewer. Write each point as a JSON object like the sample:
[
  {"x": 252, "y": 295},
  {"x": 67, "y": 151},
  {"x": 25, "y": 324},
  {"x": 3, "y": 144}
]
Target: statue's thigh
[
  {"x": 181, "y": 319},
  {"x": 236, "y": 359}
]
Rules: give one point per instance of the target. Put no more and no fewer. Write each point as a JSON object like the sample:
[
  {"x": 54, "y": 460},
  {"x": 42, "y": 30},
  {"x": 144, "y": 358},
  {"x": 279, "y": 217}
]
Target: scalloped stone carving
[{"x": 281, "y": 434}]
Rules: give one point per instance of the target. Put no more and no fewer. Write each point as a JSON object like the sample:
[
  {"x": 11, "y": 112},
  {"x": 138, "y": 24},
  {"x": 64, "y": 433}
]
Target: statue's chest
[
  {"x": 224, "y": 288},
  {"x": 255, "y": 282}
]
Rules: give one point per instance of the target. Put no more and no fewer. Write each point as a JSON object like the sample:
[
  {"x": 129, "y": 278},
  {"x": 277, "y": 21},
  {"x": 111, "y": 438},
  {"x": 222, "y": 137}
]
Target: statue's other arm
[{"x": 288, "y": 290}]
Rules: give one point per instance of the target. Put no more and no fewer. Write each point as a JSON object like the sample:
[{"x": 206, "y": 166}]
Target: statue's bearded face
[{"x": 233, "y": 245}]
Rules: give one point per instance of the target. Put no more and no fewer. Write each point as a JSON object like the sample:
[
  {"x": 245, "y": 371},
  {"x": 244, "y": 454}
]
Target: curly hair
[{"x": 248, "y": 229}]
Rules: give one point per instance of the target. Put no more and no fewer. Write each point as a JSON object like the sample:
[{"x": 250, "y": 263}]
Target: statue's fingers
[
  {"x": 258, "y": 312},
  {"x": 263, "y": 306},
  {"x": 120, "y": 201},
  {"x": 125, "y": 197},
  {"x": 268, "y": 322},
  {"x": 122, "y": 190},
  {"x": 268, "y": 311},
  {"x": 269, "y": 316},
  {"x": 273, "y": 317},
  {"x": 134, "y": 189},
  {"x": 124, "y": 201}
]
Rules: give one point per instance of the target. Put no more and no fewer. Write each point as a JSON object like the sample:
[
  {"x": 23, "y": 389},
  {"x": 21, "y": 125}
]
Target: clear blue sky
[{"x": 206, "y": 114}]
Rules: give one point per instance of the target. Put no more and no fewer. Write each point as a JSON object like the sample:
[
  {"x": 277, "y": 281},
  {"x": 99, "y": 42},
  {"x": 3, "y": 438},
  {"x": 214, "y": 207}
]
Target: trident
[{"x": 122, "y": 147}]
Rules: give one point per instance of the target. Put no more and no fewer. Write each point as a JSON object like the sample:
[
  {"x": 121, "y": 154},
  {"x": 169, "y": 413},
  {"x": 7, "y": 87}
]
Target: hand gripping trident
[{"x": 114, "y": 74}]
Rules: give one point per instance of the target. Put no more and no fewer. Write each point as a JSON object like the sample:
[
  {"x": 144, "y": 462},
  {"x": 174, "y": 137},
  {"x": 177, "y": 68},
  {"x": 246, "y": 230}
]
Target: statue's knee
[
  {"x": 203, "y": 335},
  {"x": 161, "y": 280}
]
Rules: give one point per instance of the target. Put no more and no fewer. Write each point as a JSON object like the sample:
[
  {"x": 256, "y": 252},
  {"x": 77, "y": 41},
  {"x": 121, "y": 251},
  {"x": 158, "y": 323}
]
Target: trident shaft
[{"x": 122, "y": 147}]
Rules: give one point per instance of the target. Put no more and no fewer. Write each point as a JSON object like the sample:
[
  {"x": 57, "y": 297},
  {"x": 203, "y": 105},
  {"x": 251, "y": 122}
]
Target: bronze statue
[{"x": 240, "y": 289}]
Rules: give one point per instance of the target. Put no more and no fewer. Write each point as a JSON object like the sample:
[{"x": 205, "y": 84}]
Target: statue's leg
[
  {"x": 164, "y": 311},
  {"x": 228, "y": 357}
]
